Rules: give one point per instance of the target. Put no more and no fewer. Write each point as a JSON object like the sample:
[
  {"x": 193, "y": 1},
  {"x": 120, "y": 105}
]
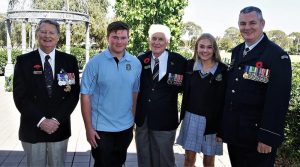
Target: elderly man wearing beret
[{"x": 156, "y": 114}]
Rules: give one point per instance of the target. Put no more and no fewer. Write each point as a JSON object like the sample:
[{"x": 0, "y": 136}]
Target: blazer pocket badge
[
  {"x": 175, "y": 79},
  {"x": 37, "y": 69}
]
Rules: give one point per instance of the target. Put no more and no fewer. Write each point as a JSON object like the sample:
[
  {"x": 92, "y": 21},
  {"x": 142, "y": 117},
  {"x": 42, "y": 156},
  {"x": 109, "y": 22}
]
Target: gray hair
[
  {"x": 49, "y": 21},
  {"x": 250, "y": 9}
]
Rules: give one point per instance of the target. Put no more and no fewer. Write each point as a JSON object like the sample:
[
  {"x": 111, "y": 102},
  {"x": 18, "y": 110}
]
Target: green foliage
[
  {"x": 231, "y": 38},
  {"x": 140, "y": 14},
  {"x": 9, "y": 83},
  {"x": 79, "y": 53},
  {"x": 191, "y": 32},
  {"x": 3, "y": 57},
  {"x": 289, "y": 152},
  {"x": 279, "y": 37}
]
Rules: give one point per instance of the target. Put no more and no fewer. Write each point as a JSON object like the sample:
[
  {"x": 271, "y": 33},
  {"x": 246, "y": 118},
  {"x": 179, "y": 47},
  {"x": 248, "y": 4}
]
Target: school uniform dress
[{"x": 202, "y": 107}]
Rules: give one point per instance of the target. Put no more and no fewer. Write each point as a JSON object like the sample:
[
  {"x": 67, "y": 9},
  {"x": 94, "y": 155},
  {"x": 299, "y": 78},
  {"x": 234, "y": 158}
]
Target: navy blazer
[
  {"x": 158, "y": 101},
  {"x": 254, "y": 110},
  {"x": 32, "y": 101}
]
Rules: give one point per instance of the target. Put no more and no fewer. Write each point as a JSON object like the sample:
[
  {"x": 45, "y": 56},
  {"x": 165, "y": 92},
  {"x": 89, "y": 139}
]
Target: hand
[
  {"x": 91, "y": 136},
  {"x": 49, "y": 125},
  {"x": 219, "y": 139},
  {"x": 263, "y": 148}
]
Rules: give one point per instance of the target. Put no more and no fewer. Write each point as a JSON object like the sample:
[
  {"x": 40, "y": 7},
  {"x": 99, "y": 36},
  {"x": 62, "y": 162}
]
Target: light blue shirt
[{"x": 111, "y": 86}]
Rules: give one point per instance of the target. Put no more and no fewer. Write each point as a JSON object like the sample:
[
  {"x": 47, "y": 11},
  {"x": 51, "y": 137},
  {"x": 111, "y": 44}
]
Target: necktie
[
  {"x": 155, "y": 70},
  {"x": 246, "y": 51},
  {"x": 48, "y": 75}
]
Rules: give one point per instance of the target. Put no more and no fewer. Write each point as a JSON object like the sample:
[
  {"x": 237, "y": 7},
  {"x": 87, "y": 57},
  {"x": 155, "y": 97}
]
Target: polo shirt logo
[{"x": 128, "y": 67}]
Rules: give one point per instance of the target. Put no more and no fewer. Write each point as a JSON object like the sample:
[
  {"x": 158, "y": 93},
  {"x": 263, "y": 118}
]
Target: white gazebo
[{"x": 24, "y": 12}]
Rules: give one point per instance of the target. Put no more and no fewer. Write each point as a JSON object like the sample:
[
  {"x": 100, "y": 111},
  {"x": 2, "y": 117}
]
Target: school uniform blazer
[
  {"x": 32, "y": 101},
  {"x": 158, "y": 101},
  {"x": 254, "y": 110}
]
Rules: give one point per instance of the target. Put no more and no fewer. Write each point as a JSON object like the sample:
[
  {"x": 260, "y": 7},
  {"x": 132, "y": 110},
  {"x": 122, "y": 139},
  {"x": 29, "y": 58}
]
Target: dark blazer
[
  {"x": 255, "y": 111},
  {"x": 205, "y": 96},
  {"x": 158, "y": 101},
  {"x": 32, "y": 101}
]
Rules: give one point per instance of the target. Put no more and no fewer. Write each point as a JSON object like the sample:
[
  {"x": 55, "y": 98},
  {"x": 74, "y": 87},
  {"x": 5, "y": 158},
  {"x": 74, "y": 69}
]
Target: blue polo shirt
[{"x": 110, "y": 86}]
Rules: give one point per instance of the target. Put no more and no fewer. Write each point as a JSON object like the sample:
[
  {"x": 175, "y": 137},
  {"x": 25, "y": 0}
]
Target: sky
[{"x": 215, "y": 16}]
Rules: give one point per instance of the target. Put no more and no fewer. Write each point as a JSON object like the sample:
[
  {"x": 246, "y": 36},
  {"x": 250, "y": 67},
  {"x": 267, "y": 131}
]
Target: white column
[
  {"x": 87, "y": 42},
  {"x": 68, "y": 36},
  {"x": 33, "y": 36},
  {"x": 23, "y": 36},
  {"x": 9, "y": 68}
]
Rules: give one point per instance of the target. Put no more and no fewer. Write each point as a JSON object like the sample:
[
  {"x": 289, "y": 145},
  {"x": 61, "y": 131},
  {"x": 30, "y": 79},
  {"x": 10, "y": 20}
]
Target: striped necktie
[
  {"x": 155, "y": 70},
  {"x": 48, "y": 75}
]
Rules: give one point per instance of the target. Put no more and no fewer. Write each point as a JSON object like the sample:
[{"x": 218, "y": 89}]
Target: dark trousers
[
  {"x": 246, "y": 157},
  {"x": 112, "y": 148}
]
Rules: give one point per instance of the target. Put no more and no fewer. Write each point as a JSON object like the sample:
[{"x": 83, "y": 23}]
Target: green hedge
[
  {"x": 289, "y": 152},
  {"x": 3, "y": 58}
]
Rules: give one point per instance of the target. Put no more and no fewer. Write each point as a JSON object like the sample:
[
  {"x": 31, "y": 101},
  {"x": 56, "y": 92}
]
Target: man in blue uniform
[
  {"x": 257, "y": 96},
  {"x": 109, "y": 88}
]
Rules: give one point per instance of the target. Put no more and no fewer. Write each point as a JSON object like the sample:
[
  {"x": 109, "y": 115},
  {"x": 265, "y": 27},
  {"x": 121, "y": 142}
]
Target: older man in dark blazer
[
  {"x": 156, "y": 113},
  {"x": 46, "y": 91}
]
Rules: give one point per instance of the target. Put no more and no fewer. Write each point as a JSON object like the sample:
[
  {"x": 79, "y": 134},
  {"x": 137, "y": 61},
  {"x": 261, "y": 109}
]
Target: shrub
[
  {"x": 3, "y": 58},
  {"x": 9, "y": 83},
  {"x": 79, "y": 53},
  {"x": 289, "y": 152}
]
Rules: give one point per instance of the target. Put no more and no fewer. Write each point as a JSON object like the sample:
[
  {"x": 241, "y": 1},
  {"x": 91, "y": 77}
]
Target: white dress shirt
[{"x": 163, "y": 63}]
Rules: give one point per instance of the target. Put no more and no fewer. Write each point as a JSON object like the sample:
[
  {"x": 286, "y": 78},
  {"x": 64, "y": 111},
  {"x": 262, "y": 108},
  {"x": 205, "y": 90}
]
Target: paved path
[{"x": 12, "y": 155}]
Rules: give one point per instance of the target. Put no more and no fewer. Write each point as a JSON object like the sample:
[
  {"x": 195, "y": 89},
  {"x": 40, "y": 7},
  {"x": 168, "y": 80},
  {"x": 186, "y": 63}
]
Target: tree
[
  {"x": 140, "y": 14},
  {"x": 226, "y": 44},
  {"x": 191, "y": 32},
  {"x": 294, "y": 42},
  {"x": 234, "y": 35},
  {"x": 279, "y": 37}
]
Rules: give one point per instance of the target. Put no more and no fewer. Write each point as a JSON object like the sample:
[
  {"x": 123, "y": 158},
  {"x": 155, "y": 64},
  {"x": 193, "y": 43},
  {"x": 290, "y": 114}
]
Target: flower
[
  {"x": 146, "y": 60},
  {"x": 259, "y": 64},
  {"x": 37, "y": 66}
]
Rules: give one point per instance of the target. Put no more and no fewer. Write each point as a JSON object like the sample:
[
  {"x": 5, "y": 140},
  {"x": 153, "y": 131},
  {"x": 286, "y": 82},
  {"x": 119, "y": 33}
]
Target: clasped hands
[{"x": 49, "y": 125}]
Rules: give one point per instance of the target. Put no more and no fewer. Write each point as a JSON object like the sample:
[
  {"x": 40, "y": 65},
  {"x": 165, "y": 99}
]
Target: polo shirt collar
[{"x": 108, "y": 55}]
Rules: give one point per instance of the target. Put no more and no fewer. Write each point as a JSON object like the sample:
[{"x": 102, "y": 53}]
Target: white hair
[{"x": 154, "y": 28}]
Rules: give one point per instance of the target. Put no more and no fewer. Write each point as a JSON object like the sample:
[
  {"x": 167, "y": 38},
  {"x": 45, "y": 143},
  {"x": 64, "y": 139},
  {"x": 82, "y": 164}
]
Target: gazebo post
[
  {"x": 23, "y": 36},
  {"x": 68, "y": 36},
  {"x": 9, "y": 68}
]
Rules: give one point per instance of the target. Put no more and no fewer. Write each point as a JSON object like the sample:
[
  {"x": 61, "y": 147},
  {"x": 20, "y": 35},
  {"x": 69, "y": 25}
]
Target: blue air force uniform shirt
[{"x": 110, "y": 86}]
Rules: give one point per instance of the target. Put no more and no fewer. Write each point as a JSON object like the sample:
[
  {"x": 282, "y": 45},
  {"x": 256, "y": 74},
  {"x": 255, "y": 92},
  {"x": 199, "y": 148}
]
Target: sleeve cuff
[{"x": 38, "y": 125}]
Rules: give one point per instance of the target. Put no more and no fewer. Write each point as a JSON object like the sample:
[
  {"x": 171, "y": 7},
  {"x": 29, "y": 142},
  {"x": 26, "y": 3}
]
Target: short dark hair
[
  {"x": 117, "y": 25},
  {"x": 250, "y": 9},
  {"x": 49, "y": 21}
]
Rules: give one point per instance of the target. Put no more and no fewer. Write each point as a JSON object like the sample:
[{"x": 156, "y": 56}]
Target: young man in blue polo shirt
[{"x": 109, "y": 88}]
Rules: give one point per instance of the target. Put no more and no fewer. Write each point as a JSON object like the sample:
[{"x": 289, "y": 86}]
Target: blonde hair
[{"x": 216, "y": 54}]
